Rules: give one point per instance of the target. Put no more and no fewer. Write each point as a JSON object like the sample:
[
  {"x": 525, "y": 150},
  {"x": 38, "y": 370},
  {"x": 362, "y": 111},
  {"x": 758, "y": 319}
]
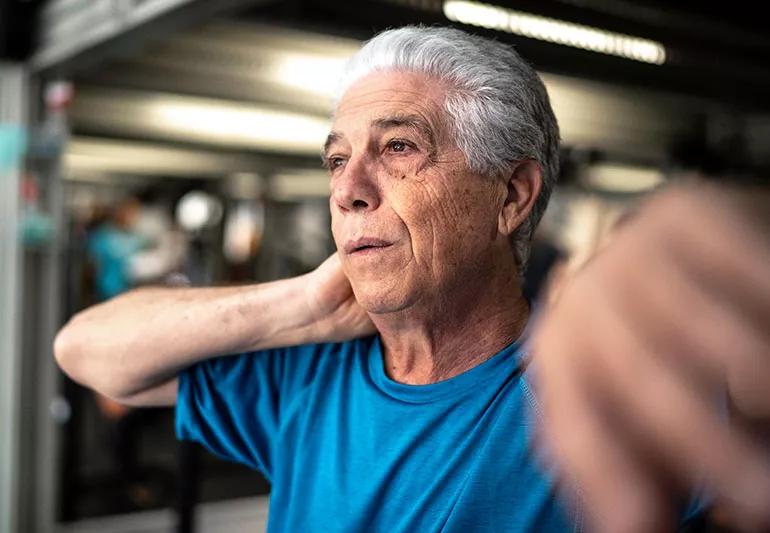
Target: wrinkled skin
[
  {"x": 409, "y": 187},
  {"x": 440, "y": 284}
]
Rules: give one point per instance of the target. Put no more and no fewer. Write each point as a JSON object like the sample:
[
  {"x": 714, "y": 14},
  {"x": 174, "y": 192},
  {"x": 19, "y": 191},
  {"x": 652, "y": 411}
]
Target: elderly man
[{"x": 442, "y": 156}]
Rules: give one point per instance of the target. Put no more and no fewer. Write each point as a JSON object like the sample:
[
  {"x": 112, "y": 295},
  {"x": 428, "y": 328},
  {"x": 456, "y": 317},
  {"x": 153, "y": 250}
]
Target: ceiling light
[
  {"x": 555, "y": 31},
  {"x": 619, "y": 178},
  {"x": 197, "y": 210},
  {"x": 305, "y": 72},
  {"x": 240, "y": 125}
]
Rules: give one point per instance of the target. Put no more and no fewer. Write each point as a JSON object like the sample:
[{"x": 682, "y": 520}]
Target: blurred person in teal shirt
[{"x": 111, "y": 246}]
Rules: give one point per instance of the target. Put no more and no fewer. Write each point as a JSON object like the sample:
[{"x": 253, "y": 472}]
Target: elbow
[
  {"x": 67, "y": 350},
  {"x": 77, "y": 352},
  {"x": 73, "y": 353}
]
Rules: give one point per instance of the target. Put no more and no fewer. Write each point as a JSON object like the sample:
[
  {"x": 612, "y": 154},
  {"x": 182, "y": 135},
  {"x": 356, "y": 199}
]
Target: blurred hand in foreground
[{"x": 670, "y": 320}]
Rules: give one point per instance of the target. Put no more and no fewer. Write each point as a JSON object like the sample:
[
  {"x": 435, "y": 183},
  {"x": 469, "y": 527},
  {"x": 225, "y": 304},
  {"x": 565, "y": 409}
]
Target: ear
[{"x": 523, "y": 185}]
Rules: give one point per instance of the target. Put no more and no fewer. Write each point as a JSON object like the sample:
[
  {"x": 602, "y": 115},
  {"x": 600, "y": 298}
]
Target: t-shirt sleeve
[{"x": 231, "y": 405}]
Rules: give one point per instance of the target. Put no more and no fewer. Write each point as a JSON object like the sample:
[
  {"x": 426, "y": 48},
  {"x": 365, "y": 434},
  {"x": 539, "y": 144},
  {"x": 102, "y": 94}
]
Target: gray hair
[{"x": 498, "y": 107}]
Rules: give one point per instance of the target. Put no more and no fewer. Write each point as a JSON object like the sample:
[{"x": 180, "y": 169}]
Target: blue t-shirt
[{"x": 348, "y": 449}]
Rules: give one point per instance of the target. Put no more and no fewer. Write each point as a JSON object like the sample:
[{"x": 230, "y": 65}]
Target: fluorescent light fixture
[
  {"x": 316, "y": 73},
  {"x": 88, "y": 156},
  {"x": 195, "y": 119},
  {"x": 240, "y": 125},
  {"x": 555, "y": 31},
  {"x": 618, "y": 178}
]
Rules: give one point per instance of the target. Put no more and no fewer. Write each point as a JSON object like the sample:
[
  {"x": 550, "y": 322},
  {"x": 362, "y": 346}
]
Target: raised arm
[{"x": 132, "y": 347}]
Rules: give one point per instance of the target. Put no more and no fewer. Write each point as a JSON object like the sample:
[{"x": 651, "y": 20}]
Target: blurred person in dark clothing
[
  {"x": 546, "y": 262},
  {"x": 393, "y": 389}
]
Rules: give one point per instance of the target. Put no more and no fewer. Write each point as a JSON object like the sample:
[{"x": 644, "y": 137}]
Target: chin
[{"x": 380, "y": 299}]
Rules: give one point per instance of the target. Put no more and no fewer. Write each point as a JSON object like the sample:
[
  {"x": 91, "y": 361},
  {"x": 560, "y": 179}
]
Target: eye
[
  {"x": 399, "y": 145},
  {"x": 334, "y": 162}
]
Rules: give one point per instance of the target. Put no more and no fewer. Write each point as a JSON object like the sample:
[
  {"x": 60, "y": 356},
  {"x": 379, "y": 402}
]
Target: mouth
[{"x": 365, "y": 245}]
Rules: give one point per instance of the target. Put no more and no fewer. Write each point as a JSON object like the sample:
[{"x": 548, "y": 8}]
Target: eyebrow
[
  {"x": 332, "y": 138},
  {"x": 414, "y": 122}
]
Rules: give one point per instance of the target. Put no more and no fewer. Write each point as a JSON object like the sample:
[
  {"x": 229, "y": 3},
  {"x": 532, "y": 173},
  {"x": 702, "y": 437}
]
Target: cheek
[
  {"x": 335, "y": 223},
  {"x": 444, "y": 221},
  {"x": 414, "y": 167},
  {"x": 411, "y": 204}
]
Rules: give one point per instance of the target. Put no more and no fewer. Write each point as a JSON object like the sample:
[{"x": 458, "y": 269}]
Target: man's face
[{"x": 411, "y": 222}]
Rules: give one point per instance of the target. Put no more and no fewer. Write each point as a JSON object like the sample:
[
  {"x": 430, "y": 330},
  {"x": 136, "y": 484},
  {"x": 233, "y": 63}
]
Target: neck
[{"x": 436, "y": 340}]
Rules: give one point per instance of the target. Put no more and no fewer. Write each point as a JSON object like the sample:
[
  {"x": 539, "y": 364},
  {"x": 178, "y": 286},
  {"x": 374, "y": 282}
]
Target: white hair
[{"x": 497, "y": 105}]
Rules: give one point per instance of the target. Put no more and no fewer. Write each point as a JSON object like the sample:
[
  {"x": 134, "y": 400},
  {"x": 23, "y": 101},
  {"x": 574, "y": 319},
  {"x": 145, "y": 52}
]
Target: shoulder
[
  {"x": 313, "y": 360},
  {"x": 529, "y": 371},
  {"x": 288, "y": 366},
  {"x": 273, "y": 378}
]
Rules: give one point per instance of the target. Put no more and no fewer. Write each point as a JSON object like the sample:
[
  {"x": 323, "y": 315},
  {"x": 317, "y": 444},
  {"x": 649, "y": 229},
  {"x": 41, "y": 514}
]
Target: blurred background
[{"x": 177, "y": 142}]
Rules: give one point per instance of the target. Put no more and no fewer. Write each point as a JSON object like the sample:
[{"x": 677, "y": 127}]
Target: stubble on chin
[{"x": 382, "y": 296}]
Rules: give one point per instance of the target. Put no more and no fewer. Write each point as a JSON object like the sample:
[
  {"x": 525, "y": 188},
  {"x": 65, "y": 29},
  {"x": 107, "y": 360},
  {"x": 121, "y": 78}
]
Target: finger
[
  {"x": 699, "y": 324},
  {"x": 677, "y": 421},
  {"x": 728, "y": 261},
  {"x": 723, "y": 248},
  {"x": 617, "y": 493},
  {"x": 331, "y": 266},
  {"x": 693, "y": 325}
]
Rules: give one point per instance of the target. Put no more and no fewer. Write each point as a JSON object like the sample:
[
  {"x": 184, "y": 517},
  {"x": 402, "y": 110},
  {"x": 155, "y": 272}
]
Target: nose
[{"x": 355, "y": 188}]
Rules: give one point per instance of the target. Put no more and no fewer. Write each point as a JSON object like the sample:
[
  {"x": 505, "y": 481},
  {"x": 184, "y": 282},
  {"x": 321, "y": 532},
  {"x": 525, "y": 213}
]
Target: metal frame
[
  {"x": 78, "y": 34},
  {"x": 13, "y": 118},
  {"x": 28, "y": 322}
]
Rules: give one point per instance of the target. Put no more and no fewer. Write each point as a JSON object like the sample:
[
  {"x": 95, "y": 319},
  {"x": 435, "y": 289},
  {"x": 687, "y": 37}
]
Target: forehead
[{"x": 383, "y": 94}]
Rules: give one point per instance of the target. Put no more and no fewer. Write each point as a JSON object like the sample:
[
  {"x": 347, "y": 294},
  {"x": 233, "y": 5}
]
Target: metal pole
[
  {"x": 13, "y": 107},
  {"x": 42, "y": 307}
]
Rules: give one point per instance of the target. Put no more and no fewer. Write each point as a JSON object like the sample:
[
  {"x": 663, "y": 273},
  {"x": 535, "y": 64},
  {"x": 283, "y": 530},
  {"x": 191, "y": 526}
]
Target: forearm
[{"x": 145, "y": 337}]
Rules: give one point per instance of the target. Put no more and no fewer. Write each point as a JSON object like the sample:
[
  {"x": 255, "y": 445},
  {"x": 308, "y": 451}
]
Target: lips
[{"x": 365, "y": 244}]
